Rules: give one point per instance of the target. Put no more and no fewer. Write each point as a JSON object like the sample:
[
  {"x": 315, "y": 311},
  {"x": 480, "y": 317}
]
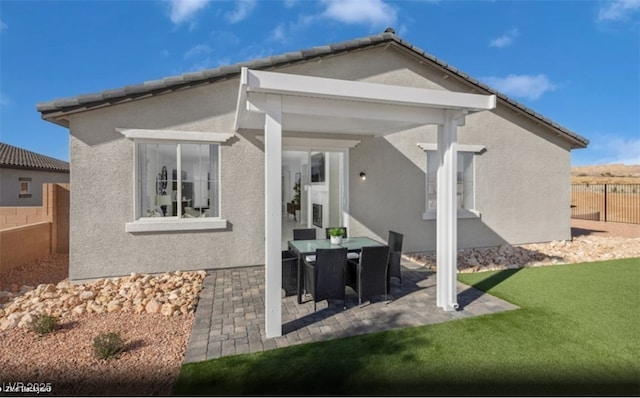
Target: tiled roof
[
  {"x": 50, "y": 110},
  {"x": 12, "y": 157}
]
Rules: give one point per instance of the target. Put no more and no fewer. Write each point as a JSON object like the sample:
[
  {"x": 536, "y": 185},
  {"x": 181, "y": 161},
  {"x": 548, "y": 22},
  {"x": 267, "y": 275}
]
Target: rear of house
[{"x": 161, "y": 180}]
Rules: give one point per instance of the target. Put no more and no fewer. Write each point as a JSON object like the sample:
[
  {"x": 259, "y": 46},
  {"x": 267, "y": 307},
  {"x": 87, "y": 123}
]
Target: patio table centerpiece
[{"x": 335, "y": 235}]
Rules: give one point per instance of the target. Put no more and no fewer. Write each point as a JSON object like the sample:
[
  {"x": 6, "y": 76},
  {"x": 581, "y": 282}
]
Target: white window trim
[
  {"x": 169, "y": 224},
  {"x": 142, "y": 135},
  {"x": 173, "y": 224},
  {"x": 430, "y": 214}
]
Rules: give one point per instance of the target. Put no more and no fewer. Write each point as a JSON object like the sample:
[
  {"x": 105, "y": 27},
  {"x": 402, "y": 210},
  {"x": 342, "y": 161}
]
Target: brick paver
[{"x": 230, "y": 314}]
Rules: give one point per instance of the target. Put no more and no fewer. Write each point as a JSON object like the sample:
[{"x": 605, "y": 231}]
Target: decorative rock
[
  {"x": 87, "y": 295},
  {"x": 7, "y": 323},
  {"x": 168, "y": 309},
  {"x": 577, "y": 250},
  {"x": 171, "y": 294},
  {"x": 153, "y": 307},
  {"x": 114, "y": 306},
  {"x": 26, "y": 320}
]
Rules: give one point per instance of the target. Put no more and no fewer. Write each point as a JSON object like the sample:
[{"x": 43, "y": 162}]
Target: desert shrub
[
  {"x": 108, "y": 345},
  {"x": 44, "y": 324}
]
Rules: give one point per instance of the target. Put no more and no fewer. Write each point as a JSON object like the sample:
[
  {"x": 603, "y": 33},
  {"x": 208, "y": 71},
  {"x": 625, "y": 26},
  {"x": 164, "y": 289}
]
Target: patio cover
[{"x": 274, "y": 102}]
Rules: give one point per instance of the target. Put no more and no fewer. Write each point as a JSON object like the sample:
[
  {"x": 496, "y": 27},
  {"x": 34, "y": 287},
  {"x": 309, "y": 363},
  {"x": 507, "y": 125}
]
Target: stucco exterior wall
[
  {"x": 103, "y": 180},
  {"x": 522, "y": 180},
  {"x": 10, "y": 185}
]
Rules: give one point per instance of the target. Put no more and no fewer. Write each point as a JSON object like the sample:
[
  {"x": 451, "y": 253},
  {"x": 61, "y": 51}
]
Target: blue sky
[{"x": 576, "y": 62}]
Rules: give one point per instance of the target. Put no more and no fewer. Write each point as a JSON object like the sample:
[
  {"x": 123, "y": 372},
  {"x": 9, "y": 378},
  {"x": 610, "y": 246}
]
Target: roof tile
[
  {"x": 176, "y": 82},
  {"x": 18, "y": 158}
]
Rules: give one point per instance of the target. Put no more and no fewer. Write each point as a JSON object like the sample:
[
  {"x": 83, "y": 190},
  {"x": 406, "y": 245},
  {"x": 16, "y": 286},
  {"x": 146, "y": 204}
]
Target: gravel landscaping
[{"x": 156, "y": 339}]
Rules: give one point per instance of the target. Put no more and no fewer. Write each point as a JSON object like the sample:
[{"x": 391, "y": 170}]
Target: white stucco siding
[
  {"x": 522, "y": 180},
  {"x": 103, "y": 183}
]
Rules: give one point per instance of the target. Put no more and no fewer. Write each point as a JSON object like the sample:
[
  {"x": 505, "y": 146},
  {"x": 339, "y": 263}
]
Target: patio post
[
  {"x": 273, "y": 215},
  {"x": 446, "y": 214}
]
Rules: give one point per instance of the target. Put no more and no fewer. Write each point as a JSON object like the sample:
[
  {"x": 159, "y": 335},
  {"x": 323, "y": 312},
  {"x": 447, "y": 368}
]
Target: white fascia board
[
  {"x": 459, "y": 147},
  {"x": 289, "y": 84},
  {"x": 174, "y": 135},
  {"x": 349, "y": 109},
  {"x": 241, "y": 106},
  {"x": 291, "y": 143},
  {"x": 174, "y": 225}
]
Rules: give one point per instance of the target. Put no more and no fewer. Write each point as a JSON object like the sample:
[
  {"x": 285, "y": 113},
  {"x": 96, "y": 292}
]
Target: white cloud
[
  {"x": 529, "y": 87},
  {"x": 505, "y": 40},
  {"x": 3, "y": 25},
  {"x": 242, "y": 11},
  {"x": 618, "y": 10},
  {"x": 610, "y": 148},
  {"x": 372, "y": 12},
  {"x": 184, "y": 10},
  {"x": 197, "y": 51},
  {"x": 290, "y": 3},
  {"x": 279, "y": 34}
]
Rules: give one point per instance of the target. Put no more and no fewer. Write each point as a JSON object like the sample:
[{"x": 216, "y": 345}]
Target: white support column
[
  {"x": 273, "y": 215},
  {"x": 446, "y": 222}
]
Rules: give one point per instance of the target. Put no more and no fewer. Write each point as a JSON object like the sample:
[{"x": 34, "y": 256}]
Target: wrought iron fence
[{"x": 606, "y": 202}]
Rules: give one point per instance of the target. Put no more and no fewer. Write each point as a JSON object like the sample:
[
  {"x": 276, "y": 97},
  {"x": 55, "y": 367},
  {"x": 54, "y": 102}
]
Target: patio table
[{"x": 308, "y": 247}]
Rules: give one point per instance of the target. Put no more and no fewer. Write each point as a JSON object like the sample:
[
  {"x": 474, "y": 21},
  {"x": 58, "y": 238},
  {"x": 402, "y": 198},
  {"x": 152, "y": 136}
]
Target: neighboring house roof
[
  {"x": 12, "y": 157},
  {"x": 55, "y": 110}
]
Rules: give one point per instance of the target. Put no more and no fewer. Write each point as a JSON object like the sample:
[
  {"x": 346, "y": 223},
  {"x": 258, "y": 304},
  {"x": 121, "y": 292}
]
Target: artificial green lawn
[{"x": 577, "y": 333}]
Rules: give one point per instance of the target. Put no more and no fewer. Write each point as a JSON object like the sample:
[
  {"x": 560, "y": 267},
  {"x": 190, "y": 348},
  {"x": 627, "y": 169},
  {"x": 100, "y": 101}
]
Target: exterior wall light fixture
[{"x": 363, "y": 176}]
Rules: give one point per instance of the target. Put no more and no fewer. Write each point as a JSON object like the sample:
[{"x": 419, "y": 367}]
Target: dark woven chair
[
  {"x": 325, "y": 278},
  {"x": 368, "y": 277},
  {"x": 289, "y": 272},
  {"x": 395, "y": 257},
  {"x": 304, "y": 234},
  {"x": 344, "y": 229}
]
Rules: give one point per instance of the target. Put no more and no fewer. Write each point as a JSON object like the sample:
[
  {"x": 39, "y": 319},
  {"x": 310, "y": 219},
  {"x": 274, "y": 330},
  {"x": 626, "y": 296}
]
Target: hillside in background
[{"x": 606, "y": 174}]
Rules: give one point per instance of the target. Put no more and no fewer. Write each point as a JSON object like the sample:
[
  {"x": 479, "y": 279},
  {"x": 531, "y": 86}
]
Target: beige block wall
[
  {"x": 23, "y": 244},
  {"x": 30, "y": 233},
  {"x": 16, "y": 216}
]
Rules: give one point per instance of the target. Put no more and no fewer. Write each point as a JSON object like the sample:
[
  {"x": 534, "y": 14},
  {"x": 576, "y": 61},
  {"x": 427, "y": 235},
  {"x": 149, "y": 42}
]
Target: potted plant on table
[{"x": 335, "y": 235}]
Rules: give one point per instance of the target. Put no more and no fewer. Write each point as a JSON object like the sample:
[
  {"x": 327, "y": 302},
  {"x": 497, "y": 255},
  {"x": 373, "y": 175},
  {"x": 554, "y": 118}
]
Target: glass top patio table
[
  {"x": 351, "y": 244},
  {"x": 306, "y": 247}
]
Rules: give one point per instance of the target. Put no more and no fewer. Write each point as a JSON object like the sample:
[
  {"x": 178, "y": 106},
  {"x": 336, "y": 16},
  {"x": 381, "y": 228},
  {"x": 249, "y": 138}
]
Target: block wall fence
[{"x": 30, "y": 233}]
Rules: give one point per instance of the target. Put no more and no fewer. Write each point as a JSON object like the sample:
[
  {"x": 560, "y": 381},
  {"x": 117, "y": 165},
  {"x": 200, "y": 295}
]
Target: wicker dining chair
[
  {"x": 368, "y": 276},
  {"x": 304, "y": 234},
  {"x": 325, "y": 278},
  {"x": 395, "y": 257}
]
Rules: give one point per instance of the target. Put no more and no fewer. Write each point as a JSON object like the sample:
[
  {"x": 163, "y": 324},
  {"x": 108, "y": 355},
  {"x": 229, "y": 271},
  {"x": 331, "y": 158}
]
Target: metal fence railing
[{"x": 606, "y": 202}]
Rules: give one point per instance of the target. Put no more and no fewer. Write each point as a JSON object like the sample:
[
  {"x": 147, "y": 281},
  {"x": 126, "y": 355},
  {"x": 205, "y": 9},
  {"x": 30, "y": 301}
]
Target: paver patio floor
[{"x": 230, "y": 314}]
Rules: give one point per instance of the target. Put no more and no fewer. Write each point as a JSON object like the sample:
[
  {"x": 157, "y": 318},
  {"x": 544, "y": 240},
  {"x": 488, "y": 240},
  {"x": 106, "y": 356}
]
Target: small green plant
[
  {"x": 108, "y": 345},
  {"x": 336, "y": 231},
  {"x": 44, "y": 324}
]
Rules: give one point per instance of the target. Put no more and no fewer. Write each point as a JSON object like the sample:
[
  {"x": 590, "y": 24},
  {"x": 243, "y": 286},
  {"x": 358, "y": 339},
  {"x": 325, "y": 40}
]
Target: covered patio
[
  {"x": 277, "y": 102},
  {"x": 230, "y": 317}
]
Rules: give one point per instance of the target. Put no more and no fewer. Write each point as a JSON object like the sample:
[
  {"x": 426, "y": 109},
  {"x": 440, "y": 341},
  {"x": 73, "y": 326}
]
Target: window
[
  {"x": 25, "y": 187},
  {"x": 465, "y": 180},
  {"x": 465, "y": 197},
  {"x": 177, "y": 180}
]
